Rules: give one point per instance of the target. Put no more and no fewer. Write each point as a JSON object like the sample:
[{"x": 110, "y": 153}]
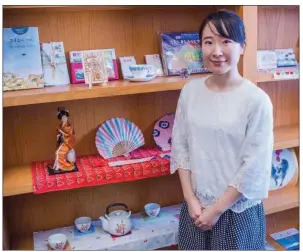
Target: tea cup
[
  {"x": 152, "y": 209},
  {"x": 57, "y": 241},
  {"x": 83, "y": 224}
]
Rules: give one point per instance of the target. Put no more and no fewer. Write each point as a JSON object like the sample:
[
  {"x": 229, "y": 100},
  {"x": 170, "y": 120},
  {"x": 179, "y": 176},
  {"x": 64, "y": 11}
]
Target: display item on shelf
[{"x": 65, "y": 156}]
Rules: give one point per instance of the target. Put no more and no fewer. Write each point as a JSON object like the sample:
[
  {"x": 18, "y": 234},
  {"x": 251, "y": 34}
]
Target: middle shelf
[{"x": 18, "y": 179}]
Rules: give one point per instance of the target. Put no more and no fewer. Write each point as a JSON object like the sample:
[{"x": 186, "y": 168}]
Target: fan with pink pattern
[
  {"x": 163, "y": 131},
  {"x": 118, "y": 136}
]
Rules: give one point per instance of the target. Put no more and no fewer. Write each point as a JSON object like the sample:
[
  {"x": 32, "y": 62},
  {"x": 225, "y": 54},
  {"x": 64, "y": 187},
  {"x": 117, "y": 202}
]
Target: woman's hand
[
  {"x": 208, "y": 218},
  {"x": 194, "y": 207}
]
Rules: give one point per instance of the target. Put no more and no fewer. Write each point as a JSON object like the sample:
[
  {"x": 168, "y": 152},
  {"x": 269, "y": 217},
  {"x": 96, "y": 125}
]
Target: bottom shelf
[
  {"x": 274, "y": 223},
  {"x": 281, "y": 221}
]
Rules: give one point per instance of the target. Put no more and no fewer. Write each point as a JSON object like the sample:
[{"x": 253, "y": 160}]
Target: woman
[{"x": 222, "y": 147}]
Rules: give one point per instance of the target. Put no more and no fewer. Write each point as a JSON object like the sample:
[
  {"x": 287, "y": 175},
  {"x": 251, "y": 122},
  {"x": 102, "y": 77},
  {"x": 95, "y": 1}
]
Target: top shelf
[
  {"x": 82, "y": 91},
  {"x": 56, "y": 8}
]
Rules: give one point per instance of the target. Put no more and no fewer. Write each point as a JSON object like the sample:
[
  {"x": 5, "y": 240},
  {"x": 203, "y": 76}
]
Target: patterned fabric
[
  {"x": 233, "y": 231},
  {"x": 224, "y": 139},
  {"x": 93, "y": 170}
]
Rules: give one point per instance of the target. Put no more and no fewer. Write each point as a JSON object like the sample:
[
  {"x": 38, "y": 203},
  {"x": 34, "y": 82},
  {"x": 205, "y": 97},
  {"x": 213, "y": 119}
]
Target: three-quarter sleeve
[
  {"x": 253, "y": 177},
  {"x": 179, "y": 148}
]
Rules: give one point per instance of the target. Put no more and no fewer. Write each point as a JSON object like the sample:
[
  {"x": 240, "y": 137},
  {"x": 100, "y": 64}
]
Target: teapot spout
[{"x": 104, "y": 222}]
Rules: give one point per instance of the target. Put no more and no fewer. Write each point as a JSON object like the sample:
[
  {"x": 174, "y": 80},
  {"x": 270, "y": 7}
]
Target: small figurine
[
  {"x": 184, "y": 72},
  {"x": 65, "y": 153}
]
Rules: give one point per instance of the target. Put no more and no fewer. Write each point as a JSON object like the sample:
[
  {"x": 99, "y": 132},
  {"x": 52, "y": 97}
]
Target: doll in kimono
[{"x": 65, "y": 154}]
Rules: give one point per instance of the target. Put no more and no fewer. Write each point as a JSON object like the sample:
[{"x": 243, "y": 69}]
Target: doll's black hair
[
  {"x": 62, "y": 112},
  {"x": 233, "y": 24}
]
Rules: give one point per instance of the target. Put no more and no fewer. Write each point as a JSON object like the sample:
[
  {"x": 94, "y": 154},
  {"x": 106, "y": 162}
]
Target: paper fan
[
  {"x": 118, "y": 136},
  {"x": 163, "y": 130}
]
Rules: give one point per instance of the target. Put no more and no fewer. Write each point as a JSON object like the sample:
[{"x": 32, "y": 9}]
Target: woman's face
[{"x": 219, "y": 54}]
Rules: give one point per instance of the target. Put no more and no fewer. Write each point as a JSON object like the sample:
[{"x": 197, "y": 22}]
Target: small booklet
[{"x": 289, "y": 238}]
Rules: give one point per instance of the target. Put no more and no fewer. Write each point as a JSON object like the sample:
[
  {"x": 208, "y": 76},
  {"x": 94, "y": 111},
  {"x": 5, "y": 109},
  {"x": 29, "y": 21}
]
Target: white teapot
[{"x": 117, "y": 222}]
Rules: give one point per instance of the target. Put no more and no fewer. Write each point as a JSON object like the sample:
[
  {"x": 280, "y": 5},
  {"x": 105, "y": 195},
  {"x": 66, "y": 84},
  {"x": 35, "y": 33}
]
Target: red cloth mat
[{"x": 94, "y": 171}]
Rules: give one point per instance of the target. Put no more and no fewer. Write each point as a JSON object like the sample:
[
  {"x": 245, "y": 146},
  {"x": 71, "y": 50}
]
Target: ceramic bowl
[
  {"x": 57, "y": 241},
  {"x": 83, "y": 224},
  {"x": 152, "y": 209},
  {"x": 141, "y": 71}
]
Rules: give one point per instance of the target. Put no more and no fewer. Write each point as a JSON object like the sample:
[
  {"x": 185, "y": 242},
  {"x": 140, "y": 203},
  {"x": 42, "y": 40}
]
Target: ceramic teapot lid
[{"x": 118, "y": 213}]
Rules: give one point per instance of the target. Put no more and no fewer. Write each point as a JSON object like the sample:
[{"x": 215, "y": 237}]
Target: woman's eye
[
  {"x": 227, "y": 42},
  {"x": 207, "y": 42}
]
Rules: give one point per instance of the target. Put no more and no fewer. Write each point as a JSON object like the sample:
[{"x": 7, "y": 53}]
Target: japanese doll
[{"x": 65, "y": 153}]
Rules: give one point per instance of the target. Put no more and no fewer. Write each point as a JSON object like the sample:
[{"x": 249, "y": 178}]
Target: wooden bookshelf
[
  {"x": 18, "y": 179},
  {"x": 82, "y": 91}
]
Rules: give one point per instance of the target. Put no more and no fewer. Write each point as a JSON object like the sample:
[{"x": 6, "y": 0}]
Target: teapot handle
[{"x": 116, "y": 204}]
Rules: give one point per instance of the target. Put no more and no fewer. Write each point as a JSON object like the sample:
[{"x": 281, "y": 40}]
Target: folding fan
[
  {"x": 117, "y": 137},
  {"x": 163, "y": 131}
]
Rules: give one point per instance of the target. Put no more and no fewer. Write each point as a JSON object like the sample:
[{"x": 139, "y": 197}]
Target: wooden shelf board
[
  {"x": 68, "y": 7},
  {"x": 57, "y": 8},
  {"x": 18, "y": 179},
  {"x": 269, "y": 77},
  {"x": 286, "y": 136},
  {"x": 281, "y": 200},
  {"x": 82, "y": 91}
]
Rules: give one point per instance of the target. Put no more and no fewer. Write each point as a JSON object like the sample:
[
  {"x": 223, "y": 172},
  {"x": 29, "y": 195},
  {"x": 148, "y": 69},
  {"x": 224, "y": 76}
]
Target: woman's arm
[
  {"x": 253, "y": 177},
  {"x": 193, "y": 203},
  {"x": 187, "y": 189},
  {"x": 180, "y": 158}
]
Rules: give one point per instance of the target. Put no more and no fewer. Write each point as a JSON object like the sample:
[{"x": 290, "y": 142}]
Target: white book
[
  {"x": 154, "y": 60},
  {"x": 125, "y": 63},
  {"x": 54, "y": 64}
]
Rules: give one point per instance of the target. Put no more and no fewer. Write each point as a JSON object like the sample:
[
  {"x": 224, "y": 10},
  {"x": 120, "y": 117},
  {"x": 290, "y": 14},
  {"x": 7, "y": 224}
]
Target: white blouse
[{"x": 224, "y": 139}]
